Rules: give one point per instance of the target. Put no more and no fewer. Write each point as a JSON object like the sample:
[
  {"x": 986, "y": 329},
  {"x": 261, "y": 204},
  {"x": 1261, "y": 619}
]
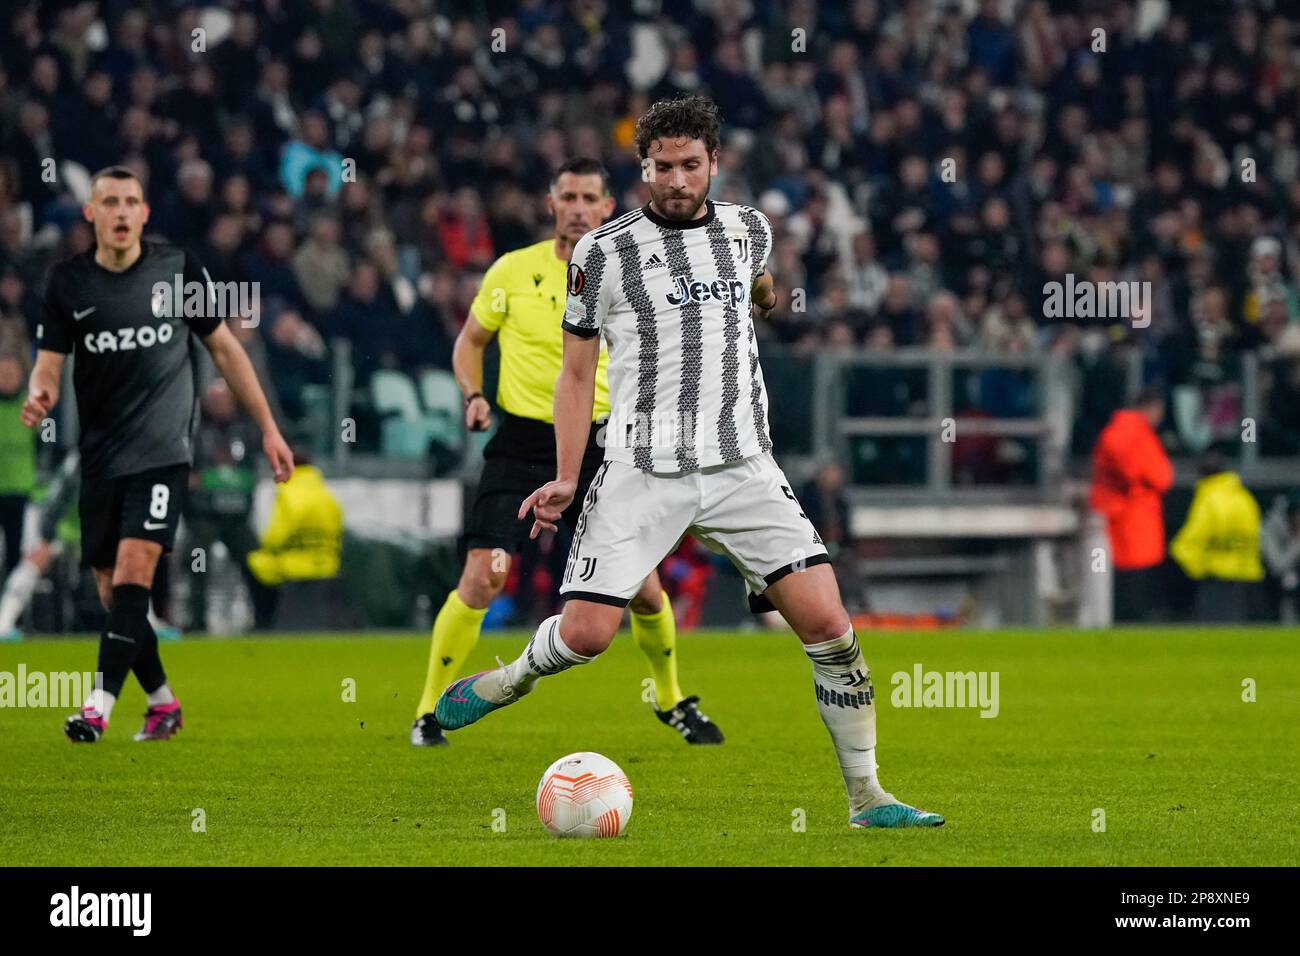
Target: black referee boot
[
  {"x": 425, "y": 732},
  {"x": 691, "y": 722}
]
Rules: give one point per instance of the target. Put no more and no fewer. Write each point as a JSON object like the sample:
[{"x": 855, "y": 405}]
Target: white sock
[
  {"x": 545, "y": 654},
  {"x": 163, "y": 695},
  {"x": 101, "y": 701},
  {"x": 845, "y": 698},
  {"x": 18, "y": 591}
]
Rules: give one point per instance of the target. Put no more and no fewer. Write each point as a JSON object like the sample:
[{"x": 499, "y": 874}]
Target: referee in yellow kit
[{"x": 522, "y": 299}]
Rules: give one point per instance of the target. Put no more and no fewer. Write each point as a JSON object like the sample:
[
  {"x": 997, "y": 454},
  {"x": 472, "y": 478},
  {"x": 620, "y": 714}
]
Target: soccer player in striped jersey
[
  {"x": 521, "y": 300},
  {"x": 671, "y": 290}
]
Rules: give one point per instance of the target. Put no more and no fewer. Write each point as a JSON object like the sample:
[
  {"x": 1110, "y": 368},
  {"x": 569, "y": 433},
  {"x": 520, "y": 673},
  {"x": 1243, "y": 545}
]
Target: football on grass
[{"x": 584, "y": 795}]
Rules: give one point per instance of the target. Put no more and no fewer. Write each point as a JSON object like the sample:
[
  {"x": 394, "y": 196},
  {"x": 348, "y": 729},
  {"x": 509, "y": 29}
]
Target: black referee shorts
[
  {"x": 145, "y": 505},
  {"x": 518, "y": 460}
]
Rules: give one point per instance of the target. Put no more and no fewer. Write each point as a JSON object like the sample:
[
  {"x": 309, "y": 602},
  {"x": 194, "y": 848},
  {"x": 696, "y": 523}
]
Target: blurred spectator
[
  {"x": 238, "y": 202},
  {"x": 220, "y": 501},
  {"x": 17, "y": 460},
  {"x": 295, "y": 356},
  {"x": 867, "y": 278},
  {"x": 1266, "y": 283},
  {"x": 1280, "y": 548},
  {"x": 1219, "y": 544},
  {"x": 309, "y": 151},
  {"x": 1279, "y": 429},
  {"x": 321, "y": 265},
  {"x": 240, "y": 157},
  {"x": 1131, "y": 473},
  {"x": 186, "y": 216},
  {"x": 222, "y": 253},
  {"x": 271, "y": 266},
  {"x": 824, "y": 502},
  {"x": 686, "y": 576},
  {"x": 15, "y": 343},
  {"x": 463, "y": 231},
  {"x": 304, "y": 538},
  {"x": 946, "y": 327},
  {"x": 899, "y": 315},
  {"x": 912, "y": 150},
  {"x": 44, "y": 546},
  {"x": 368, "y": 317},
  {"x": 1205, "y": 372}
]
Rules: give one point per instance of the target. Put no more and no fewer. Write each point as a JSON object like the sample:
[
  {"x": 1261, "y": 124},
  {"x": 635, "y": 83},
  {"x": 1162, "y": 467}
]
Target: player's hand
[
  {"x": 478, "y": 414},
  {"x": 762, "y": 293},
  {"x": 547, "y": 503},
  {"x": 36, "y": 407},
  {"x": 278, "y": 454}
]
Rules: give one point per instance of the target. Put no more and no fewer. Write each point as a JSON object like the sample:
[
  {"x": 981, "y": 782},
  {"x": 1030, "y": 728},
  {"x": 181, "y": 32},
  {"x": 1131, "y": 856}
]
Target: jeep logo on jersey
[
  {"x": 684, "y": 290},
  {"x": 127, "y": 339}
]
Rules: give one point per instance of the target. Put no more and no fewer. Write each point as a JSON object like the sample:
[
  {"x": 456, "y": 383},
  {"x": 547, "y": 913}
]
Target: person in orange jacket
[{"x": 1131, "y": 473}]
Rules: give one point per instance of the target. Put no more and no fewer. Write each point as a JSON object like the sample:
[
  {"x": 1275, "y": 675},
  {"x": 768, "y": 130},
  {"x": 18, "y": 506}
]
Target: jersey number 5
[{"x": 789, "y": 494}]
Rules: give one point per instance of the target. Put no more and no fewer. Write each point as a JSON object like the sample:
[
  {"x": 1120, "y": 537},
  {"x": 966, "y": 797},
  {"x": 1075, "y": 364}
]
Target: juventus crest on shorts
[{"x": 672, "y": 301}]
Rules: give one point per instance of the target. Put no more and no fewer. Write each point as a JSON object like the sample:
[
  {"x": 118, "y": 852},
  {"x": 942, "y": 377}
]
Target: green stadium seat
[{"x": 406, "y": 429}]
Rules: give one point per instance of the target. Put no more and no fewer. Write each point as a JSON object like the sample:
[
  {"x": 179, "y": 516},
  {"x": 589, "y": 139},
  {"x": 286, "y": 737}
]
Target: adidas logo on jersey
[
  {"x": 685, "y": 290},
  {"x": 654, "y": 262}
]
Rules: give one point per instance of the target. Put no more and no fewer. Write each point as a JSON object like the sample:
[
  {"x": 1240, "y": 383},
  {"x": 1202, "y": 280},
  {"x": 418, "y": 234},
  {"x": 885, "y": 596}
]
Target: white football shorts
[{"x": 632, "y": 519}]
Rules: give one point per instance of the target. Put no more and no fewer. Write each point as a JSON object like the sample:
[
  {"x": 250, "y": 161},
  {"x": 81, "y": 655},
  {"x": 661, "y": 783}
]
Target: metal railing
[{"x": 930, "y": 414}]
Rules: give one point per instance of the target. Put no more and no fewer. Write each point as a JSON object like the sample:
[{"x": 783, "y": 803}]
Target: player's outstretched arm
[
  {"x": 575, "y": 394},
  {"x": 233, "y": 364},
  {"x": 43, "y": 387}
]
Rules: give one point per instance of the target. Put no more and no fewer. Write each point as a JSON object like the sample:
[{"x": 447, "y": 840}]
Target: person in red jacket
[{"x": 1131, "y": 472}]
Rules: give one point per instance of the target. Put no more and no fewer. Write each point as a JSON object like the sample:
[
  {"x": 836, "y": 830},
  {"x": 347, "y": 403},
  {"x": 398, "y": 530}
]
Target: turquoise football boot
[
  {"x": 894, "y": 816},
  {"x": 470, "y": 699}
]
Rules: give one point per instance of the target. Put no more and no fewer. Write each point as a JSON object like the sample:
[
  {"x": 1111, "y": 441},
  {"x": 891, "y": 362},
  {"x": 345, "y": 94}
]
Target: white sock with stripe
[
  {"x": 845, "y": 699},
  {"x": 545, "y": 654}
]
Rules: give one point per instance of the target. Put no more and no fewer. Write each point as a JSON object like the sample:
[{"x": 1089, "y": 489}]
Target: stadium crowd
[{"x": 927, "y": 166}]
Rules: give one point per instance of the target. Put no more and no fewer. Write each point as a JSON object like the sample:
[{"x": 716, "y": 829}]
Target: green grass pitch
[{"x": 1148, "y": 726}]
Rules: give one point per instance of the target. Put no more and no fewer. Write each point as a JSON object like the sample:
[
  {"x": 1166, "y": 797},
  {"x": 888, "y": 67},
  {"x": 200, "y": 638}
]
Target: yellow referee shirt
[{"x": 522, "y": 300}]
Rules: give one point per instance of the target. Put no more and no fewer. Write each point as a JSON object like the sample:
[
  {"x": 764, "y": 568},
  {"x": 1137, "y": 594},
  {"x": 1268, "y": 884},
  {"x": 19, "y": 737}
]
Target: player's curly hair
[{"x": 690, "y": 117}]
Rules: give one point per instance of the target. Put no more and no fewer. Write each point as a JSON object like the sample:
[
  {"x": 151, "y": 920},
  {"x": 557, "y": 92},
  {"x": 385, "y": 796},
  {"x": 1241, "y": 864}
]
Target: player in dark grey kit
[{"x": 134, "y": 375}]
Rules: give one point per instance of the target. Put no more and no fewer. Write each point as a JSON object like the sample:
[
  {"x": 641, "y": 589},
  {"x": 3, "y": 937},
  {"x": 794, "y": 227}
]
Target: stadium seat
[
  {"x": 406, "y": 430},
  {"x": 442, "y": 403},
  {"x": 440, "y": 392}
]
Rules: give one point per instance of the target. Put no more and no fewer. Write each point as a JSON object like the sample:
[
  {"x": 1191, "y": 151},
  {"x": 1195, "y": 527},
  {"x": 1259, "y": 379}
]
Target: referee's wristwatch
[{"x": 473, "y": 395}]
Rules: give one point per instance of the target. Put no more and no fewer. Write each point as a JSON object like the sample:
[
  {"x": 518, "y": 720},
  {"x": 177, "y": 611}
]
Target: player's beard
[{"x": 691, "y": 210}]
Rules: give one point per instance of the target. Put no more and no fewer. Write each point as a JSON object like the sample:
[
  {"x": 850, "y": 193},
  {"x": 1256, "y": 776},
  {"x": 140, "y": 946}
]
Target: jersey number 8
[{"x": 158, "y": 501}]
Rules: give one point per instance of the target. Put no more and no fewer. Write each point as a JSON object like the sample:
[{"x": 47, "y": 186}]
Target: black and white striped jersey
[{"x": 672, "y": 300}]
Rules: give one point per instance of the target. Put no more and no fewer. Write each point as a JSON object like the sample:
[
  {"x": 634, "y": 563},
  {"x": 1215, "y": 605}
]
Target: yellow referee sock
[
  {"x": 455, "y": 632},
  {"x": 656, "y": 635}
]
